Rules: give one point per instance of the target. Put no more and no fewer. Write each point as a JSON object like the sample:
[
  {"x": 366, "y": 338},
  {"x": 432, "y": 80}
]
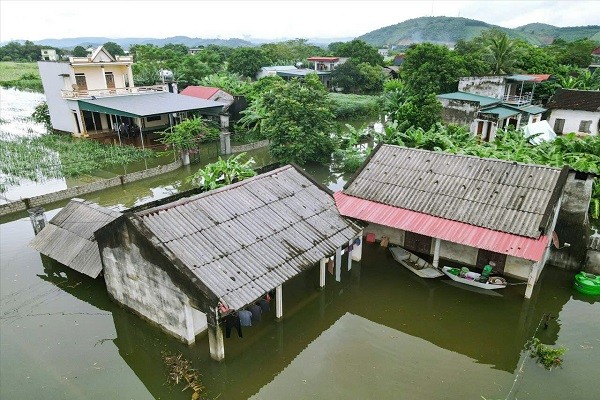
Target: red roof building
[{"x": 463, "y": 209}]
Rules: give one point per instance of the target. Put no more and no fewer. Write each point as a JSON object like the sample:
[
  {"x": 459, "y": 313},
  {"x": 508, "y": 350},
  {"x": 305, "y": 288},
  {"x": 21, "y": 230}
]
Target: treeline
[{"x": 26, "y": 52}]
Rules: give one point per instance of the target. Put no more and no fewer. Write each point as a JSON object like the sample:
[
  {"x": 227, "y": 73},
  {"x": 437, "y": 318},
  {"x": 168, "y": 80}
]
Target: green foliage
[
  {"x": 577, "y": 53},
  {"x": 360, "y": 52},
  {"x": 231, "y": 83},
  {"x": 247, "y": 61},
  {"x": 350, "y": 106},
  {"x": 41, "y": 114},
  {"x": 430, "y": 68},
  {"x": 57, "y": 156},
  {"x": 298, "y": 121},
  {"x": 224, "y": 172},
  {"x": 79, "y": 51},
  {"x": 189, "y": 133},
  {"x": 547, "y": 356},
  {"x": 292, "y": 50},
  {"x": 25, "y": 82},
  {"x": 353, "y": 77},
  {"x": 113, "y": 49},
  {"x": 501, "y": 53},
  {"x": 26, "y": 52}
]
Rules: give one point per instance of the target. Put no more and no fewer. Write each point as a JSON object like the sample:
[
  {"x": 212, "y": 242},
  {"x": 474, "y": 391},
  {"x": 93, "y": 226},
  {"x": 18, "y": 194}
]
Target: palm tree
[{"x": 502, "y": 53}]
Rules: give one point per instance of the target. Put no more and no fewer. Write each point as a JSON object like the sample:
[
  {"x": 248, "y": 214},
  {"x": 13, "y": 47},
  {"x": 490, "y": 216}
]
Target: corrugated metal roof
[
  {"x": 482, "y": 100},
  {"x": 143, "y": 105},
  {"x": 499, "y": 195},
  {"x": 572, "y": 99},
  {"x": 594, "y": 243},
  {"x": 529, "y": 78},
  {"x": 201, "y": 92},
  {"x": 452, "y": 231},
  {"x": 323, "y": 59},
  {"x": 501, "y": 111},
  {"x": 531, "y": 109},
  {"x": 246, "y": 239},
  {"x": 69, "y": 237}
]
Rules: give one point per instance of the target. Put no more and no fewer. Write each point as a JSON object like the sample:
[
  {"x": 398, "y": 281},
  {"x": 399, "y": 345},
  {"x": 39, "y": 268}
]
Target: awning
[
  {"x": 144, "y": 105},
  {"x": 501, "y": 111},
  {"x": 441, "y": 228}
]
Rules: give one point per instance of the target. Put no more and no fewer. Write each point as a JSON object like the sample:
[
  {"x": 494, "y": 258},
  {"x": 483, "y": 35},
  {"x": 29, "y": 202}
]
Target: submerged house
[
  {"x": 69, "y": 236},
  {"x": 459, "y": 208},
  {"x": 96, "y": 95},
  {"x": 188, "y": 264}
]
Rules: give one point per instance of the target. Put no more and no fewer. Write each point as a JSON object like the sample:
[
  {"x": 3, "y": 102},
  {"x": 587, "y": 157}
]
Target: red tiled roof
[
  {"x": 323, "y": 59},
  {"x": 540, "y": 77},
  {"x": 201, "y": 92},
  {"x": 572, "y": 99},
  {"x": 596, "y": 51},
  {"x": 445, "y": 229}
]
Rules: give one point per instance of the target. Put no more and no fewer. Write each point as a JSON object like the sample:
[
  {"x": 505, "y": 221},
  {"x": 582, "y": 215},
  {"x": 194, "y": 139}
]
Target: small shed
[
  {"x": 460, "y": 208},
  {"x": 69, "y": 237},
  {"x": 185, "y": 265}
]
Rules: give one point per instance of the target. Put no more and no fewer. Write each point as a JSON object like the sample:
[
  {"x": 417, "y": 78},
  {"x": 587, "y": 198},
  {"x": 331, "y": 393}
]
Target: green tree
[
  {"x": 80, "y": 51},
  {"x": 577, "y": 53},
  {"x": 430, "y": 68},
  {"x": 501, "y": 53},
  {"x": 247, "y": 61},
  {"x": 355, "y": 77},
  {"x": 187, "y": 135},
  {"x": 360, "y": 52},
  {"x": 299, "y": 121},
  {"x": 113, "y": 48}
]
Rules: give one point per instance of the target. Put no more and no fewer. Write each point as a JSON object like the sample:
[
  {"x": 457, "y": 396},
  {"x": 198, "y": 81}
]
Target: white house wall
[
  {"x": 396, "y": 236},
  {"x": 458, "y": 252},
  {"x": 148, "y": 290},
  {"x": 61, "y": 110},
  {"x": 491, "y": 86},
  {"x": 573, "y": 118}
]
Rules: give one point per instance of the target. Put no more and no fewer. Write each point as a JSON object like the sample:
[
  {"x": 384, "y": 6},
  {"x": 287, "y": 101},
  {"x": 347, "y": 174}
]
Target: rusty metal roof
[
  {"x": 69, "y": 237},
  {"x": 246, "y": 239},
  {"x": 445, "y": 229},
  {"x": 499, "y": 195}
]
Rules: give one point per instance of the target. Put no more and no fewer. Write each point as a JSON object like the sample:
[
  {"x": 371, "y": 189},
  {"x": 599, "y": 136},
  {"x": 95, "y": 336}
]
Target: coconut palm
[{"x": 501, "y": 53}]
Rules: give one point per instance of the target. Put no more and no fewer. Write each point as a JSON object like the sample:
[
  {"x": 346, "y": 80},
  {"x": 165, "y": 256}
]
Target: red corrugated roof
[
  {"x": 540, "y": 77},
  {"x": 201, "y": 92},
  {"x": 445, "y": 229},
  {"x": 323, "y": 59},
  {"x": 596, "y": 51}
]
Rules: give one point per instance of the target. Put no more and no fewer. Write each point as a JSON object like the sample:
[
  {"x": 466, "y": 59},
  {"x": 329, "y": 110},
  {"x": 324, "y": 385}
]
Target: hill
[{"x": 448, "y": 30}]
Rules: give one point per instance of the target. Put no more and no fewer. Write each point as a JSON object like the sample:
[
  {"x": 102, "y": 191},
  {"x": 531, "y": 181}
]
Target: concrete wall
[
  {"x": 573, "y": 224},
  {"x": 517, "y": 267},
  {"x": 573, "y": 118},
  {"x": 164, "y": 120},
  {"x": 135, "y": 280},
  {"x": 61, "y": 110},
  {"x": 458, "y": 252},
  {"x": 249, "y": 146},
  {"x": 491, "y": 86},
  {"x": 24, "y": 204},
  {"x": 396, "y": 236},
  {"x": 458, "y": 111}
]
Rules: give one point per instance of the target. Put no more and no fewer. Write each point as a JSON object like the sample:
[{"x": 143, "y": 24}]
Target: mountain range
[
  {"x": 443, "y": 30},
  {"x": 448, "y": 30}
]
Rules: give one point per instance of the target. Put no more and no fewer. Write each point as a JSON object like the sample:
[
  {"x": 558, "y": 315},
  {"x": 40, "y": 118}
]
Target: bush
[{"x": 349, "y": 106}]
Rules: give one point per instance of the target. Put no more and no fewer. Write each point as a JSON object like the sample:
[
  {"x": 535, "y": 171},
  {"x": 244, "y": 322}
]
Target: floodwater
[{"x": 380, "y": 333}]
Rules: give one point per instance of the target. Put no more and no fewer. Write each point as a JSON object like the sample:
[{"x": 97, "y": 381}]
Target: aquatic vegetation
[
  {"x": 547, "y": 356},
  {"x": 224, "y": 172},
  {"x": 56, "y": 156}
]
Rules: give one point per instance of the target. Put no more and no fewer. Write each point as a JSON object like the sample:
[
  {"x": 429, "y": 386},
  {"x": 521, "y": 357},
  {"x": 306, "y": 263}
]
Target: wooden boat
[
  {"x": 415, "y": 263},
  {"x": 472, "y": 278}
]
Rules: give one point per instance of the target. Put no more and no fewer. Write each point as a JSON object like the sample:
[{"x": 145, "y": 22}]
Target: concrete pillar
[
  {"x": 357, "y": 251},
  {"x": 225, "y": 143},
  {"x": 532, "y": 280},
  {"x": 130, "y": 82},
  {"x": 278, "y": 302},
  {"x": 224, "y": 122},
  {"x": 37, "y": 215},
  {"x": 215, "y": 336},
  {"x": 436, "y": 253},
  {"x": 322, "y": 266},
  {"x": 338, "y": 264}
]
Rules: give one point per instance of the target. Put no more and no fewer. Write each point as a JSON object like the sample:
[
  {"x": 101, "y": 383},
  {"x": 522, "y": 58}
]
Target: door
[
  {"x": 485, "y": 256},
  {"x": 417, "y": 243},
  {"x": 110, "y": 80},
  {"x": 80, "y": 82},
  {"x": 559, "y": 126}
]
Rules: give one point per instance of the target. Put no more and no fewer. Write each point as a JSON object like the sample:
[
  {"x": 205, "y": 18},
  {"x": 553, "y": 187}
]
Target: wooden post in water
[
  {"x": 215, "y": 336},
  {"x": 338, "y": 264},
  {"x": 278, "y": 302},
  {"x": 322, "y": 265}
]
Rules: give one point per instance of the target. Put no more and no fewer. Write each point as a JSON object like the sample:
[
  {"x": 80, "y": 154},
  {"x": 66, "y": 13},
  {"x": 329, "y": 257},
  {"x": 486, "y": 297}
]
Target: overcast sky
[{"x": 52, "y": 19}]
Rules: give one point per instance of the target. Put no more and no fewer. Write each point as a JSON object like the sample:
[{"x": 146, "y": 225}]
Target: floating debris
[{"x": 181, "y": 371}]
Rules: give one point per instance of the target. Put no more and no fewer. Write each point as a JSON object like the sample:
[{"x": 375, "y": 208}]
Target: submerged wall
[{"x": 135, "y": 280}]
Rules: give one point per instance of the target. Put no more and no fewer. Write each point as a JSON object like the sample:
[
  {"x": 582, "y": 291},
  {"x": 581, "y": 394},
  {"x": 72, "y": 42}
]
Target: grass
[
  {"x": 20, "y": 75},
  {"x": 348, "y": 106}
]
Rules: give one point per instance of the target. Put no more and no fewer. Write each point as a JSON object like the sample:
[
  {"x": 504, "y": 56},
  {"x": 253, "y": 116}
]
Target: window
[
  {"x": 559, "y": 125},
  {"x": 153, "y": 118},
  {"x": 80, "y": 82},
  {"x": 584, "y": 126}
]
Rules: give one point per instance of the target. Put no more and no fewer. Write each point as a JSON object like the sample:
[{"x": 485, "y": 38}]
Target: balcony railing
[
  {"x": 522, "y": 100},
  {"x": 72, "y": 94}
]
